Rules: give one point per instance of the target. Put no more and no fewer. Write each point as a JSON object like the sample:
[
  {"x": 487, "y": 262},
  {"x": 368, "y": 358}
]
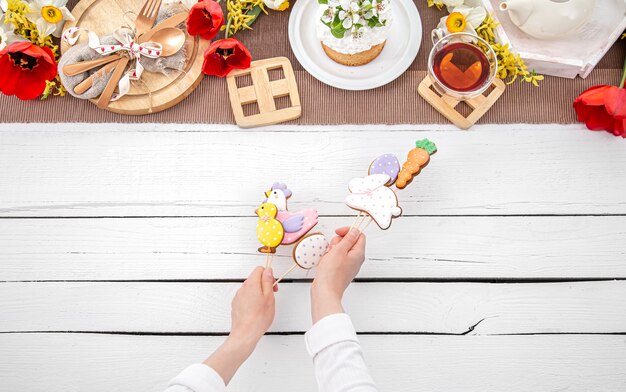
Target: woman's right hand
[{"x": 336, "y": 270}]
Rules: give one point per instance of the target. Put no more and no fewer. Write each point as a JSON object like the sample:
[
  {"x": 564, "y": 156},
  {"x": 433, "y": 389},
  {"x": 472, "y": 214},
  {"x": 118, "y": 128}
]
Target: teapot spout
[{"x": 519, "y": 10}]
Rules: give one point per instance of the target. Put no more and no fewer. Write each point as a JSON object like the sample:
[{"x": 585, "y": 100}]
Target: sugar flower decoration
[
  {"x": 352, "y": 16},
  {"x": 49, "y": 16}
]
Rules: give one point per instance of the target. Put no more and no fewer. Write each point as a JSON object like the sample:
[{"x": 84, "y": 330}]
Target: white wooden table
[{"x": 121, "y": 247}]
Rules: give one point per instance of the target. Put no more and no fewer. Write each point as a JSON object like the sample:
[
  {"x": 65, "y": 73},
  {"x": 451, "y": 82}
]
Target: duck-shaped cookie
[
  {"x": 269, "y": 230},
  {"x": 295, "y": 224}
]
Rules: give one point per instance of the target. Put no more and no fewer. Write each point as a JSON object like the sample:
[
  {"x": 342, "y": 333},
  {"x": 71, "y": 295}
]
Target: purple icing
[
  {"x": 282, "y": 187},
  {"x": 386, "y": 164}
]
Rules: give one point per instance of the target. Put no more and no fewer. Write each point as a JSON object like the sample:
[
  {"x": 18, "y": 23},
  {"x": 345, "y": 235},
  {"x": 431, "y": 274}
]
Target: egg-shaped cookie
[{"x": 309, "y": 250}]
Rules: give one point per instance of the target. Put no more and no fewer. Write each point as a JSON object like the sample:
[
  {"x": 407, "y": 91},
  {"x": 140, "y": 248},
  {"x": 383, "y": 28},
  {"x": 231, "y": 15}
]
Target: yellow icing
[{"x": 269, "y": 231}]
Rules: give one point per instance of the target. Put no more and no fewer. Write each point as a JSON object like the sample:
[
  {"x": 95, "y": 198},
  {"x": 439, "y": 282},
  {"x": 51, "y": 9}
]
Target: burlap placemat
[{"x": 395, "y": 103}]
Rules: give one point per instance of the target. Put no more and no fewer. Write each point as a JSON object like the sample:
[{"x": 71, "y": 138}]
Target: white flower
[
  {"x": 279, "y": 5},
  {"x": 346, "y": 23},
  {"x": 380, "y": 7},
  {"x": 7, "y": 36},
  {"x": 474, "y": 16},
  {"x": 49, "y": 16},
  {"x": 357, "y": 33},
  {"x": 349, "y": 13},
  {"x": 328, "y": 15},
  {"x": 4, "y": 7},
  {"x": 449, "y": 3}
]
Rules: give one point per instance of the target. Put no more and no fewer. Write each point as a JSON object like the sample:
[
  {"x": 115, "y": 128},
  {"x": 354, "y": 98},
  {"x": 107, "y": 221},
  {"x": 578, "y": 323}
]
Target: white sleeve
[
  {"x": 337, "y": 356},
  {"x": 197, "y": 378}
]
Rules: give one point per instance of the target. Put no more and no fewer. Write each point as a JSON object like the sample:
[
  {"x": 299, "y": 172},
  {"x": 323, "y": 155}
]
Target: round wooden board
[{"x": 104, "y": 16}]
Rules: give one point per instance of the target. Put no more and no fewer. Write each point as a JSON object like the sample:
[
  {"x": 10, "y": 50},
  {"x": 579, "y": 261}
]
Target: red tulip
[
  {"x": 25, "y": 68},
  {"x": 224, "y": 55},
  {"x": 205, "y": 19},
  {"x": 603, "y": 108}
]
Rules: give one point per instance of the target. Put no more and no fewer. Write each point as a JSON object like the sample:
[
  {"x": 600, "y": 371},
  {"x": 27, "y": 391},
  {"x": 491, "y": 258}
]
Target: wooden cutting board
[{"x": 155, "y": 92}]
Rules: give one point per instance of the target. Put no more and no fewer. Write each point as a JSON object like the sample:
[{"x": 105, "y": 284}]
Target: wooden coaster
[
  {"x": 446, "y": 104},
  {"x": 263, "y": 93}
]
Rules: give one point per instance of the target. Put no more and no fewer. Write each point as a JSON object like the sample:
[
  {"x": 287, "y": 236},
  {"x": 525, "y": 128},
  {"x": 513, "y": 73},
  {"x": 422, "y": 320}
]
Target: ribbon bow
[
  {"x": 127, "y": 43},
  {"x": 369, "y": 191}
]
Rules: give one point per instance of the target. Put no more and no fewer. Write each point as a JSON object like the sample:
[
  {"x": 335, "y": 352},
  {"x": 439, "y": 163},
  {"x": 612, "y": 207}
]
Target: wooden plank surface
[
  {"x": 132, "y": 231},
  {"x": 104, "y": 363},
  {"x": 446, "y": 308},
  {"x": 225, "y": 248},
  {"x": 484, "y": 172}
]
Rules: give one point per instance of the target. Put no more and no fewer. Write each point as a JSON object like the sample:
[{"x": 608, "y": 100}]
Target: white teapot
[{"x": 548, "y": 19}]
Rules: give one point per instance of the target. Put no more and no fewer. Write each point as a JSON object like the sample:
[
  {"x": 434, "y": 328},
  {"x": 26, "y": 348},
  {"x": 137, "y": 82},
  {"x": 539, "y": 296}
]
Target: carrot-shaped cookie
[{"x": 416, "y": 159}]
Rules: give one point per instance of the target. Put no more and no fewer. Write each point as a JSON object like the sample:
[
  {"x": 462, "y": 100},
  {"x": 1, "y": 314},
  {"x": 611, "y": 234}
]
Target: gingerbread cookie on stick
[
  {"x": 296, "y": 224},
  {"x": 386, "y": 164},
  {"x": 308, "y": 252},
  {"x": 416, "y": 159},
  {"x": 371, "y": 196}
]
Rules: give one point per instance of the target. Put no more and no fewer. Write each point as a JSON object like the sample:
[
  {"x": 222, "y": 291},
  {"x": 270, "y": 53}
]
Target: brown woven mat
[{"x": 397, "y": 102}]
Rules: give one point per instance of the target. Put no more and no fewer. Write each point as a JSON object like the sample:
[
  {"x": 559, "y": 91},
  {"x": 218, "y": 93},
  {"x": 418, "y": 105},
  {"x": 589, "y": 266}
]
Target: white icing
[
  {"x": 309, "y": 251},
  {"x": 370, "y": 194},
  {"x": 278, "y": 198},
  {"x": 350, "y": 44}
]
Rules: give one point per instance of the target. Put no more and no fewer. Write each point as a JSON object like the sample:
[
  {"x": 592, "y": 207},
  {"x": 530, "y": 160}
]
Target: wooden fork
[
  {"x": 147, "y": 16},
  {"x": 144, "y": 22}
]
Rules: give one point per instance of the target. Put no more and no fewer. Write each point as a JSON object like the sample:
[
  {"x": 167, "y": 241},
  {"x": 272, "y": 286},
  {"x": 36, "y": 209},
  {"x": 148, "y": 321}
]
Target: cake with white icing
[{"x": 353, "y": 32}]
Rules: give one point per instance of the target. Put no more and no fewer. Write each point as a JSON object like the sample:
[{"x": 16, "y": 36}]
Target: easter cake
[{"x": 353, "y": 32}]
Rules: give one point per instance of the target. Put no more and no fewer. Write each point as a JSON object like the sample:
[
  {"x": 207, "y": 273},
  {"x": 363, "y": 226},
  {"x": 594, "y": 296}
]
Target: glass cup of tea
[{"x": 461, "y": 65}]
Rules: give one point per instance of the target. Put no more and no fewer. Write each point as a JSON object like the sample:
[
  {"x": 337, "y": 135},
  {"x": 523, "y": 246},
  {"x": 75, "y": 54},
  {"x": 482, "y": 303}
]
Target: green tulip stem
[{"x": 621, "y": 83}]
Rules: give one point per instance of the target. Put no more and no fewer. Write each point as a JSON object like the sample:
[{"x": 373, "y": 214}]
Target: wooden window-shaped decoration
[{"x": 264, "y": 94}]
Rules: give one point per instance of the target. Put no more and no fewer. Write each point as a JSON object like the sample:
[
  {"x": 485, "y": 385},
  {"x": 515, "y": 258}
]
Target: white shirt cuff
[
  {"x": 331, "y": 329},
  {"x": 199, "y": 378}
]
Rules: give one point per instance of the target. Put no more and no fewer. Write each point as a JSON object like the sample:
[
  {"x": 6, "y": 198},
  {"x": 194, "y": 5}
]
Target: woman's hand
[
  {"x": 252, "y": 315},
  {"x": 335, "y": 271},
  {"x": 253, "y": 307}
]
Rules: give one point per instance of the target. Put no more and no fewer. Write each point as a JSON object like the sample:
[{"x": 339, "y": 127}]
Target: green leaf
[
  {"x": 338, "y": 32},
  {"x": 322, "y": 1},
  {"x": 427, "y": 145},
  {"x": 336, "y": 23},
  {"x": 256, "y": 11}
]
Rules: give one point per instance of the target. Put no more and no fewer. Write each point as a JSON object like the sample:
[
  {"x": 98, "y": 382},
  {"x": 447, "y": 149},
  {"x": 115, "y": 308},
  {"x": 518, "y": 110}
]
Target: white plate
[{"x": 403, "y": 43}]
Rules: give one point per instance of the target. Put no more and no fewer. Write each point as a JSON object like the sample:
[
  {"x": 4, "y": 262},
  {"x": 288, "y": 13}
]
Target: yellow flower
[
  {"x": 51, "y": 14},
  {"x": 455, "y": 22}
]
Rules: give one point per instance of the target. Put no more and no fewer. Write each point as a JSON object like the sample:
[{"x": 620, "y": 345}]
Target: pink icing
[{"x": 310, "y": 220}]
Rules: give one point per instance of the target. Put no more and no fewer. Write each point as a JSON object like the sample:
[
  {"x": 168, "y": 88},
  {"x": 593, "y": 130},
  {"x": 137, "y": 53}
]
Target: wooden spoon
[{"x": 171, "y": 38}]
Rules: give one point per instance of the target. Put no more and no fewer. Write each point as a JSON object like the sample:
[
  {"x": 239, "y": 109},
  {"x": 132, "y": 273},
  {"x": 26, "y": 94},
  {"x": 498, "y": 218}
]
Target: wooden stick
[
  {"x": 355, "y": 220},
  {"x": 358, "y": 226},
  {"x": 368, "y": 223},
  {"x": 267, "y": 258},
  {"x": 285, "y": 274},
  {"x": 271, "y": 259}
]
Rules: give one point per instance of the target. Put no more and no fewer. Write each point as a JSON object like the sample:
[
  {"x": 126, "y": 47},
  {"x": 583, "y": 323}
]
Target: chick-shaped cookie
[{"x": 269, "y": 230}]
